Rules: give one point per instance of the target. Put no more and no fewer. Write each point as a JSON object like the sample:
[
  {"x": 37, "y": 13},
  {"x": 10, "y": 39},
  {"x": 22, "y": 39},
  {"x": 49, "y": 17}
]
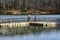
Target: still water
[
  {"x": 25, "y": 16},
  {"x": 52, "y": 34},
  {"x": 22, "y": 18}
]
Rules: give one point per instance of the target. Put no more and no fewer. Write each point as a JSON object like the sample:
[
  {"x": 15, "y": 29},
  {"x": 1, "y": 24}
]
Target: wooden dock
[{"x": 26, "y": 24}]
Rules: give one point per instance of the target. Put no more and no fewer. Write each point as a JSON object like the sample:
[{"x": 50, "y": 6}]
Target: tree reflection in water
[{"x": 26, "y": 30}]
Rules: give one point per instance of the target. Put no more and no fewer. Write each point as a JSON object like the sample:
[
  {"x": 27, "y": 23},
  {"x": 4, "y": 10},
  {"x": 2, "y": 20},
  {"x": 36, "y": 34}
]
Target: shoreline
[
  {"x": 30, "y": 14},
  {"x": 35, "y": 12}
]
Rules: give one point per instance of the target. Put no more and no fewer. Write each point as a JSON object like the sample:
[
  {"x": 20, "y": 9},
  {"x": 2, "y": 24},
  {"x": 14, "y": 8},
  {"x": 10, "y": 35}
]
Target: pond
[{"x": 35, "y": 33}]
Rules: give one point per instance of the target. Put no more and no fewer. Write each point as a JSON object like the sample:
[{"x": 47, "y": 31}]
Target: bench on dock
[{"x": 35, "y": 24}]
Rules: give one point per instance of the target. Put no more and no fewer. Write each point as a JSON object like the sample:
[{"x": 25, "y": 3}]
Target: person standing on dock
[
  {"x": 35, "y": 19},
  {"x": 29, "y": 17}
]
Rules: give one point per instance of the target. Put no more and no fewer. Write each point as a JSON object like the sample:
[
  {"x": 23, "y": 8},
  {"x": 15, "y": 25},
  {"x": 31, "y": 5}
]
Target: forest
[{"x": 29, "y": 5}]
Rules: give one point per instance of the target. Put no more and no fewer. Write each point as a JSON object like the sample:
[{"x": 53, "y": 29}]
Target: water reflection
[
  {"x": 44, "y": 35},
  {"x": 25, "y": 30},
  {"x": 31, "y": 33}
]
